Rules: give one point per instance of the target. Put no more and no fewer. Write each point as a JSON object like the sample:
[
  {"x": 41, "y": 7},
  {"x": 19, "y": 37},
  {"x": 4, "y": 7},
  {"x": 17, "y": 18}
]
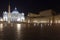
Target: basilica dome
[
  {"x": 15, "y": 11},
  {"x": 5, "y": 12}
]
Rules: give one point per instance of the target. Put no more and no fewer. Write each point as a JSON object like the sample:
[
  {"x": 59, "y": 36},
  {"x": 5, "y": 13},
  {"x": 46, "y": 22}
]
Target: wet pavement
[{"x": 30, "y": 31}]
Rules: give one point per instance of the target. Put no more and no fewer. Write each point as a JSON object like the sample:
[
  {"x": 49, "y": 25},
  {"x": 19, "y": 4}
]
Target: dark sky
[{"x": 30, "y": 5}]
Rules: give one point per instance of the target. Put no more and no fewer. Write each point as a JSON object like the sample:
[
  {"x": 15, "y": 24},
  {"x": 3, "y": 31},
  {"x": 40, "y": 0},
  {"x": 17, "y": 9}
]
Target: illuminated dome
[
  {"x": 15, "y": 11},
  {"x": 5, "y": 12},
  {"x": 22, "y": 13}
]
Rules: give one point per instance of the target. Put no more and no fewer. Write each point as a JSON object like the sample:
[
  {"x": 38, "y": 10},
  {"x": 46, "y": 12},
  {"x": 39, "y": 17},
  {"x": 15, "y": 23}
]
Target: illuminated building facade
[
  {"x": 46, "y": 16},
  {"x": 13, "y": 16}
]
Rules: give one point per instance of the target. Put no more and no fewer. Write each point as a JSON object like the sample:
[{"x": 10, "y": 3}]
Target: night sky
[{"x": 29, "y": 5}]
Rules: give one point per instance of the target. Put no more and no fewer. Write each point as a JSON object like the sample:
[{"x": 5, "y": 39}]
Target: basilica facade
[{"x": 13, "y": 16}]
